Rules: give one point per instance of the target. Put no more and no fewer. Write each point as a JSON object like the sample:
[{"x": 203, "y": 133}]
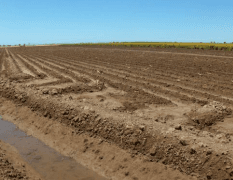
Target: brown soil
[
  {"x": 96, "y": 153},
  {"x": 12, "y": 166},
  {"x": 168, "y": 107}
]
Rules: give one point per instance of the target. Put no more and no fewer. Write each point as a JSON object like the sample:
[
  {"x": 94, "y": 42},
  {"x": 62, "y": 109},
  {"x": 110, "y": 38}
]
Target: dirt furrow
[
  {"x": 161, "y": 62},
  {"x": 3, "y": 65},
  {"x": 16, "y": 64},
  {"x": 185, "y": 91},
  {"x": 1, "y": 62},
  {"x": 117, "y": 84},
  {"x": 11, "y": 69},
  {"x": 13, "y": 66},
  {"x": 157, "y": 73},
  {"x": 7, "y": 67},
  {"x": 7, "y": 53},
  {"x": 161, "y": 88},
  {"x": 80, "y": 76},
  {"x": 159, "y": 52},
  {"x": 152, "y": 89},
  {"x": 173, "y": 85},
  {"x": 48, "y": 70},
  {"x": 168, "y": 81},
  {"x": 168, "y": 146},
  {"x": 76, "y": 76},
  {"x": 199, "y": 78},
  {"x": 62, "y": 71},
  {"x": 21, "y": 66},
  {"x": 35, "y": 69},
  {"x": 169, "y": 63}
]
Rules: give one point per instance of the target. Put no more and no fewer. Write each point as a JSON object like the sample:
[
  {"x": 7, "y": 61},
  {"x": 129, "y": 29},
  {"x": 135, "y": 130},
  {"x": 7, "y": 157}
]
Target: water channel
[{"x": 45, "y": 160}]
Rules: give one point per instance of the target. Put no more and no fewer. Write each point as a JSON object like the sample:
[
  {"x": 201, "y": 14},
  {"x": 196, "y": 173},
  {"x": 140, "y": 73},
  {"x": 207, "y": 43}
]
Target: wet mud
[{"x": 46, "y": 161}]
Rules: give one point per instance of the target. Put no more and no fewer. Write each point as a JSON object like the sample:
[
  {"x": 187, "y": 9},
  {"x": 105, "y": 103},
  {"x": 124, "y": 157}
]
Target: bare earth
[
  {"x": 12, "y": 166},
  {"x": 126, "y": 113}
]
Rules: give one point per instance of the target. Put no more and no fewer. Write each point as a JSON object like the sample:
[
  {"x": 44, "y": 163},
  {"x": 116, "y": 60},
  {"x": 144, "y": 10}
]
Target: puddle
[{"x": 45, "y": 160}]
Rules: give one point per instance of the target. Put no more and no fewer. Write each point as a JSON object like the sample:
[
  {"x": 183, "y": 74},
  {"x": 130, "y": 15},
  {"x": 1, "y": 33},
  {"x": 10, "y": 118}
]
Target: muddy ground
[
  {"x": 96, "y": 153},
  {"x": 12, "y": 166},
  {"x": 172, "y": 109}
]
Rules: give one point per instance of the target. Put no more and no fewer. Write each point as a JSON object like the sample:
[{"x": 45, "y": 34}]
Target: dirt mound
[
  {"x": 152, "y": 83},
  {"x": 77, "y": 89},
  {"x": 20, "y": 76},
  {"x": 158, "y": 148},
  {"x": 209, "y": 114}
]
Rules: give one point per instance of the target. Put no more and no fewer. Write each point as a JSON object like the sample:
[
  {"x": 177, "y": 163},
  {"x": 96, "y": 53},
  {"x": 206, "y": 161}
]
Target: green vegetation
[{"x": 211, "y": 46}]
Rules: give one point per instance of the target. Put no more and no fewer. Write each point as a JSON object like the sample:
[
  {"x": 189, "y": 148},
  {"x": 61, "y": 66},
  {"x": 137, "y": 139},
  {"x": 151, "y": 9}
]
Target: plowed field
[{"x": 171, "y": 107}]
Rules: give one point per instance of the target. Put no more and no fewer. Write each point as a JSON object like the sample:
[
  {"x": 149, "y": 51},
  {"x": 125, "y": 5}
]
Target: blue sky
[{"x": 74, "y": 21}]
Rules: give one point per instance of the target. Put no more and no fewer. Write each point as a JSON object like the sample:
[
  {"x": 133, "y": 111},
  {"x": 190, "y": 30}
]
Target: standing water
[{"x": 45, "y": 160}]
